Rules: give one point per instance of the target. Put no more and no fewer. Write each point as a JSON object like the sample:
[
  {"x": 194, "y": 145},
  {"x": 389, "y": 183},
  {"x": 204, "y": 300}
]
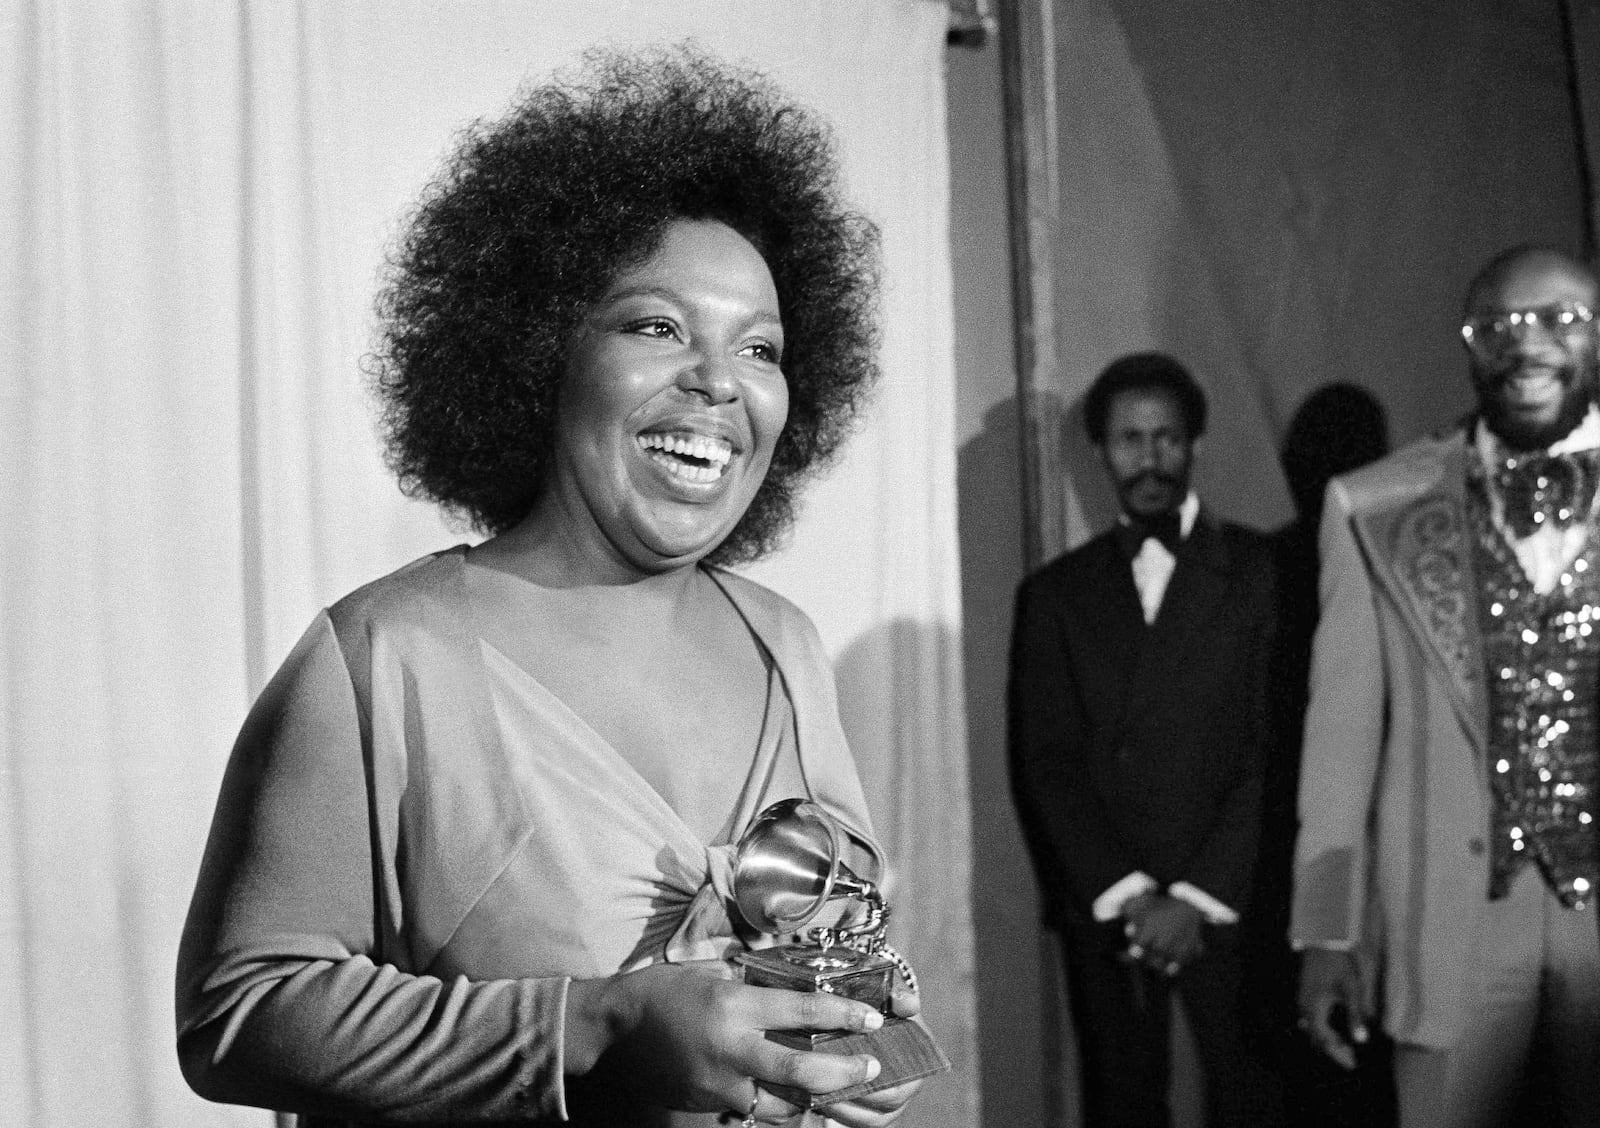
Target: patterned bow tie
[
  {"x": 1546, "y": 490},
  {"x": 1165, "y": 527}
]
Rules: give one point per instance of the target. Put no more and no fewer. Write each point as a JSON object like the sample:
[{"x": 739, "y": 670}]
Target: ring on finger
[{"x": 749, "y": 1120}]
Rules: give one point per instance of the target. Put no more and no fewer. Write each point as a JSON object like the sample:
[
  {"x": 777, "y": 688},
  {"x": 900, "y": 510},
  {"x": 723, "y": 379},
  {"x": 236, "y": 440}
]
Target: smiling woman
[{"x": 472, "y": 853}]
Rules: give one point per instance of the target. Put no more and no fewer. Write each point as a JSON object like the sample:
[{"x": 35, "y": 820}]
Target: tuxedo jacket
[
  {"x": 1138, "y": 747},
  {"x": 1392, "y": 860}
]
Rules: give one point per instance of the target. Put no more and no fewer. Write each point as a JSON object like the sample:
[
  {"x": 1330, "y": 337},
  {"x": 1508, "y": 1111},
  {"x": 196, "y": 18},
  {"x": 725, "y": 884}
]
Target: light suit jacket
[{"x": 1394, "y": 799}]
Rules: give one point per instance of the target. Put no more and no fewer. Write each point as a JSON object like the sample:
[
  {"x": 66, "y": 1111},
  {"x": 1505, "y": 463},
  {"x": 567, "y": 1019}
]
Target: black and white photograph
[{"x": 707, "y": 563}]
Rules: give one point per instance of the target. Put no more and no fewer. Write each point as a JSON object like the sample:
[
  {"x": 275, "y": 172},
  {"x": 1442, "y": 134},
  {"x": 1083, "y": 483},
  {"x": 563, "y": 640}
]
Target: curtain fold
[{"x": 196, "y": 199}]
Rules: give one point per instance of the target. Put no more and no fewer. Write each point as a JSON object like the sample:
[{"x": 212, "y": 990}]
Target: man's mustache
[
  {"x": 1150, "y": 477},
  {"x": 1564, "y": 370}
]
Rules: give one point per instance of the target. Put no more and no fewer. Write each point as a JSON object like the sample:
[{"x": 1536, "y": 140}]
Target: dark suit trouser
[{"x": 1123, "y": 1019}]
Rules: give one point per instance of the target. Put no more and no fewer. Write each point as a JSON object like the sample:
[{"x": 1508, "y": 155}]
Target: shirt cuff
[
  {"x": 1108, "y": 906},
  {"x": 1299, "y": 945},
  {"x": 1212, "y": 909}
]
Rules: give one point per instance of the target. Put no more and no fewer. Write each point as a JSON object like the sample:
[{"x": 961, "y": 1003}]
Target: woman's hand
[
  {"x": 690, "y": 1037},
  {"x": 874, "y": 1110}
]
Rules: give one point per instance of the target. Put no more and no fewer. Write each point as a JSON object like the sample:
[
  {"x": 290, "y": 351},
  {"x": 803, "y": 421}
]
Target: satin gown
[{"x": 417, "y": 846}]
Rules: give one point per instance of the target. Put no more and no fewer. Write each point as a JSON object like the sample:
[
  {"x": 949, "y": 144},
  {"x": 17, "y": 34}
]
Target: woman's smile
[{"x": 688, "y": 456}]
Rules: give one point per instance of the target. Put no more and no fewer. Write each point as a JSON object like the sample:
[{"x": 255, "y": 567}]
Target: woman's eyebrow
[{"x": 765, "y": 313}]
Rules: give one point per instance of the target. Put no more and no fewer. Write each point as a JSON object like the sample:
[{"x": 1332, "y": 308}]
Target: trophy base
[
  {"x": 903, "y": 1048},
  {"x": 806, "y": 967}
]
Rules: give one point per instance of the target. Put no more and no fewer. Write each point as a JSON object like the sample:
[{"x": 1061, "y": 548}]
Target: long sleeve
[
  {"x": 284, "y": 999},
  {"x": 1343, "y": 742},
  {"x": 1077, "y": 849},
  {"x": 1223, "y": 866}
]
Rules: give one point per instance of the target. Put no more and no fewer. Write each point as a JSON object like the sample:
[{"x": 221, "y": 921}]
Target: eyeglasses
[{"x": 1492, "y": 332}]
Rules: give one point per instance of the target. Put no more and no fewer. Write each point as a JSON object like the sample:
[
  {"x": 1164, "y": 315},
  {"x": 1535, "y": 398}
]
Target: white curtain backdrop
[{"x": 195, "y": 196}]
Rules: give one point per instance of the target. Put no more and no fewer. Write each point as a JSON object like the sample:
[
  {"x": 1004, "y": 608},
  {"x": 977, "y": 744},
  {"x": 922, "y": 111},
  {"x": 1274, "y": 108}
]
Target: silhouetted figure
[{"x": 1337, "y": 429}]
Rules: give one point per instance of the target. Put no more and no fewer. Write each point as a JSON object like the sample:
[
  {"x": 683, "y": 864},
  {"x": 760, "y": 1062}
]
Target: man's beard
[
  {"x": 1176, "y": 486},
  {"x": 1525, "y": 435}
]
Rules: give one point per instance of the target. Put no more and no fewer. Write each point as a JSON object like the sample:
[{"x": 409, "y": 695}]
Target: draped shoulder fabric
[{"x": 417, "y": 846}]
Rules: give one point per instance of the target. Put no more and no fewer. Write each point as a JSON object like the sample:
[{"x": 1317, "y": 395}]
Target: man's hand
[
  {"x": 1330, "y": 983},
  {"x": 1163, "y": 932}
]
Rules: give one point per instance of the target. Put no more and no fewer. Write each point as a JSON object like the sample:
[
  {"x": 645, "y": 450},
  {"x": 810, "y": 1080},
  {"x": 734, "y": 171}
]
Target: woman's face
[{"x": 674, "y": 398}]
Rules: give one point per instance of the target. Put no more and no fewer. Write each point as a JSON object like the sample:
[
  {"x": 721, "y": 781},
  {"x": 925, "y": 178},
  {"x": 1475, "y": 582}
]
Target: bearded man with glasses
[{"x": 1448, "y": 855}]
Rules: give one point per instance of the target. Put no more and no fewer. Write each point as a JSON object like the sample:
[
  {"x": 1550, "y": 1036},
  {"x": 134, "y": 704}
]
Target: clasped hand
[
  {"x": 692, "y": 1037},
  {"x": 1163, "y": 932}
]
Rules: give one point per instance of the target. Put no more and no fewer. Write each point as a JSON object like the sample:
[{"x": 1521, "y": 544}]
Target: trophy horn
[{"x": 787, "y": 867}]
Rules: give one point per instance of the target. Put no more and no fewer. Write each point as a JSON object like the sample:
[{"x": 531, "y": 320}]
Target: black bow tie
[
  {"x": 1546, "y": 490},
  {"x": 1165, "y": 527}
]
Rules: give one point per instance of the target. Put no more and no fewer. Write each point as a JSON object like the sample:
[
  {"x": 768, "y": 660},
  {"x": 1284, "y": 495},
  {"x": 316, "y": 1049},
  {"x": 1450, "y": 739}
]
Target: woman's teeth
[{"x": 694, "y": 458}]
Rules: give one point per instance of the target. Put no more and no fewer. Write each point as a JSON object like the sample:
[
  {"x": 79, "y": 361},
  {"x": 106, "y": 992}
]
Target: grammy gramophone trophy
[{"x": 786, "y": 871}]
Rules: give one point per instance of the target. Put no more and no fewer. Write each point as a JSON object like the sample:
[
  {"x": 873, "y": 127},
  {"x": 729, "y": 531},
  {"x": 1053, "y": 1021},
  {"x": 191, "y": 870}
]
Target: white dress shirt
[{"x": 1152, "y": 567}]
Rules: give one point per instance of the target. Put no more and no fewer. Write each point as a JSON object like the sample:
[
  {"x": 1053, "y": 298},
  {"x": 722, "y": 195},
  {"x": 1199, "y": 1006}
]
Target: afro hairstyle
[{"x": 535, "y": 215}]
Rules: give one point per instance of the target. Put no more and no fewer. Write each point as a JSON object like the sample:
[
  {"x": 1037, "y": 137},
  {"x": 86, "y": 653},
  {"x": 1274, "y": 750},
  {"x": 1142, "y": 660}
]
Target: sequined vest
[{"x": 1543, "y": 658}]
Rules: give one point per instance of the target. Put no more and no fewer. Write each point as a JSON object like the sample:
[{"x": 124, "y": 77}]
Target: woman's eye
[
  {"x": 761, "y": 350},
  {"x": 658, "y": 327}
]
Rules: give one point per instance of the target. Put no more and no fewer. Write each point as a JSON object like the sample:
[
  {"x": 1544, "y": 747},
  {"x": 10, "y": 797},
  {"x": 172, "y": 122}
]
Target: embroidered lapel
[{"x": 1420, "y": 549}]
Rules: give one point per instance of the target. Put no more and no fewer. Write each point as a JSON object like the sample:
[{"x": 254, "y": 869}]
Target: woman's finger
[
  {"x": 905, "y": 1002},
  {"x": 777, "y": 1009},
  {"x": 768, "y": 1108},
  {"x": 812, "y": 1071}
]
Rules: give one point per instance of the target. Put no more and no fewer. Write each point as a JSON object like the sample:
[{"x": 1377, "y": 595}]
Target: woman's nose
[{"x": 711, "y": 375}]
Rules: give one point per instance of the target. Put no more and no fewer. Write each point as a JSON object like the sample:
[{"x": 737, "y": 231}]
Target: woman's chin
[{"x": 666, "y": 549}]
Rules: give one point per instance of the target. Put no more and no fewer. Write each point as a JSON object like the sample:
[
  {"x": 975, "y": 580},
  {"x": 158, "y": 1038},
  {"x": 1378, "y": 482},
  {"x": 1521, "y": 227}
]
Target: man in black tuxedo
[{"x": 1138, "y": 736}]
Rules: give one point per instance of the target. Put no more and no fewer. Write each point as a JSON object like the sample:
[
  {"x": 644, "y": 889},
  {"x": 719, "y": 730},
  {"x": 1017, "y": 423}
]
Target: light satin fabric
[{"x": 417, "y": 845}]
